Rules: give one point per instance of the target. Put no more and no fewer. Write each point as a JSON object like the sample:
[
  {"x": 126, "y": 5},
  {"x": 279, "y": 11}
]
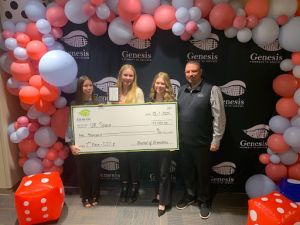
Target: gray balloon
[
  {"x": 259, "y": 185},
  {"x": 278, "y": 124},
  {"x": 289, "y": 35},
  {"x": 289, "y": 157}
]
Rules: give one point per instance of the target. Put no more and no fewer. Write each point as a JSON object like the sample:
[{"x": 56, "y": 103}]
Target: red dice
[
  {"x": 273, "y": 209},
  {"x": 39, "y": 198}
]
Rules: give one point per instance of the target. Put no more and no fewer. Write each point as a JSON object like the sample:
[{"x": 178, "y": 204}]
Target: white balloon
[
  {"x": 244, "y": 35},
  {"x": 14, "y": 138},
  {"x": 280, "y": 8},
  {"x": 265, "y": 32},
  {"x": 120, "y": 31},
  {"x": 44, "y": 119},
  {"x": 182, "y": 15},
  {"x": 11, "y": 43},
  {"x": 180, "y": 3},
  {"x": 22, "y": 133},
  {"x": 56, "y": 46},
  {"x": 74, "y": 12},
  {"x": 178, "y": 28},
  {"x": 195, "y": 13},
  {"x": 11, "y": 128},
  {"x": 286, "y": 65},
  {"x": 5, "y": 62},
  {"x": 296, "y": 71},
  {"x": 35, "y": 10},
  {"x": 58, "y": 67},
  {"x": 21, "y": 27},
  {"x": 20, "y": 53},
  {"x": 9, "y": 26},
  {"x": 32, "y": 113},
  {"x": 103, "y": 11},
  {"x": 45, "y": 137},
  {"x": 240, "y": 12},
  {"x": 230, "y": 32},
  {"x": 42, "y": 152},
  {"x": 113, "y": 5},
  {"x": 289, "y": 35},
  {"x": 60, "y": 102},
  {"x": 43, "y": 26},
  {"x": 149, "y": 6},
  {"x": 295, "y": 121},
  {"x": 12, "y": 83},
  {"x": 204, "y": 30},
  {"x": 48, "y": 39},
  {"x": 297, "y": 96}
]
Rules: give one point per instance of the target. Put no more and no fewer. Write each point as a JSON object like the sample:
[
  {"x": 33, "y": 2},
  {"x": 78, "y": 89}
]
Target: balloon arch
[{"x": 31, "y": 44}]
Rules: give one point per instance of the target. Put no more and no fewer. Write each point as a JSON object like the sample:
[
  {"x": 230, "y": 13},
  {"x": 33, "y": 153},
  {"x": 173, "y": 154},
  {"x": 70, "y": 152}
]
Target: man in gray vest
[{"x": 201, "y": 127}]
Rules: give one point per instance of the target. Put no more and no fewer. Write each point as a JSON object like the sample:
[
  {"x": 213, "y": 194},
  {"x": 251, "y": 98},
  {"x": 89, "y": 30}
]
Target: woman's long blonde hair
[
  {"x": 169, "y": 96},
  {"x": 131, "y": 94}
]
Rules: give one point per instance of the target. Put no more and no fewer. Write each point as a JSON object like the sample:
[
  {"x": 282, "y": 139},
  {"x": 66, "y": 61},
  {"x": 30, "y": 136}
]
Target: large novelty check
[{"x": 125, "y": 128}]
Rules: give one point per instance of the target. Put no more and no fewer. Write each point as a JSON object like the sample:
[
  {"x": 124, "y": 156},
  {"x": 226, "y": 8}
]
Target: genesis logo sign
[
  {"x": 269, "y": 58},
  {"x": 77, "y": 39},
  {"x": 140, "y": 56},
  {"x": 233, "y": 89},
  {"x": 259, "y": 132},
  {"x": 110, "y": 165},
  {"x": 273, "y": 47},
  {"x": 175, "y": 87},
  {"x": 224, "y": 170},
  {"x": 209, "y": 44}
]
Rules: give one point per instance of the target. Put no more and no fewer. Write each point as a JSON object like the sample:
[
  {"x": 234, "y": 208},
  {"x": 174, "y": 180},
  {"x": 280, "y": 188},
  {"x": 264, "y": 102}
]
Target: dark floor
[{"x": 227, "y": 209}]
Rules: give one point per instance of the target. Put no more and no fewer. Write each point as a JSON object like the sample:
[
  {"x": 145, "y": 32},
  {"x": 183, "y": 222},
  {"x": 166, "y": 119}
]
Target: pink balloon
[
  {"x": 56, "y": 16},
  {"x": 239, "y": 22},
  {"x": 164, "y": 17},
  {"x": 277, "y": 143},
  {"x": 276, "y": 171},
  {"x": 144, "y": 27},
  {"x": 57, "y": 32},
  {"x": 294, "y": 171},
  {"x": 264, "y": 158},
  {"x": 7, "y": 34},
  {"x": 129, "y": 9},
  {"x": 252, "y": 21},
  {"x": 89, "y": 9},
  {"x": 63, "y": 154},
  {"x": 281, "y": 20},
  {"x": 221, "y": 16},
  {"x": 47, "y": 163},
  {"x": 191, "y": 27},
  {"x": 185, "y": 36},
  {"x": 205, "y": 6},
  {"x": 97, "y": 26},
  {"x": 23, "y": 121}
]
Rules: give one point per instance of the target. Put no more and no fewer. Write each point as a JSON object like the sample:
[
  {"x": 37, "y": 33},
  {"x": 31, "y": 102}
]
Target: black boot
[
  {"x": 134, "y": 192},
  {"x": 124, "y": 192}
]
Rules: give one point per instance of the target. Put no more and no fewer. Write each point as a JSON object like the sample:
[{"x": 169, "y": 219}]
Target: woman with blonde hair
[
  {"x": 161, "y": 91},
  {"x": 129, "y": 93}
]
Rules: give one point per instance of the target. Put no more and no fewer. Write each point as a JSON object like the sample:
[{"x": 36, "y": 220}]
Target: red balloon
[
  {"x": 129, "y": 9},
  {"x": 52, "y": 154},
  {"x": 49, "y": 92},
  {"x": 33, "y": 32},
  {"x": 112, "y": 15},
  {"x": 56, "y": 16},
  {"x": 144, "y": 27},
  {"x": 264, "y": 158},
  {"x": 47, "y": 164},
  {"x": 58, "y": 146},
  {"x": 294, "y": 171},
  {"x": 29, "y": 95},
  {"x": 285, "y": 85},
  {"x": 298, "y": 9},
  {"x": 89, "y": 9},
  {"x": 281, "y": 20},
  {"x": 252, "y": 21},
  {"x": 22, "y": 39},
  {"x": 221, "y": 16},
  {"x": 63, "y": 154},
  {"x": 59, "y": 121},
  {"x": 97, "y": 26},
  {"x": 36, "y": 49},
  {"x": 36, "y": 81},
  {"x": 258, "y": 8},
  {"x": 21, "y": 70},
  {"x": 276, "y": 171},
  {"x": 164, "y": 17},
  {"x": 43, "y": 106},
  {"x": 51, "y": 110},
  {"x": 296, "y": 58},
  {"x": 27, "y": 146},
  {"x": 239, "y": 22},
  {"x": 277, "y": 143},
  {"x": 286, "y": 107},
  {"x": 57, "y": 32},
  {"x": 96, "y": 2},
  {"x": 205, "y": 6}
]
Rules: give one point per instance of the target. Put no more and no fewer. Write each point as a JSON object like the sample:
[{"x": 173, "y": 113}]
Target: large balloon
[
  {"x": 74, "y": 12},
  {"x": 288, "y": 158},
  {"x": 259, "y": 185},
  {"x": 266, "y": 32},
  {"x": 144, "y": 27},
  {"x": 291, "y": 136},
  {"x": 97, "y": 26},
  {"x": 277, "y": 143},
  {"x": 21, "y": 70},
  {"x": 221, "y": 16},
  {"x": 33, "y": 166},
  {"x": 280, "y": 8},
  {"x": 257, "y": 8},
  {"x": 120, "y": 31},
  {"x": 58, "y": 68},
  {"x": 56, "y": 16},
  {"x": 286, "y": 107},
  {"x": 149, "y": 6},
  {"x": 29, "y": 95},
  {"x": 285, "y": 85},
  {"x": 35, "y": 10},
  {"x": 45, "y": 137},
  {"x": 278, "y": 124},
  {"x": 164, "y": 17},
  {"x": 288, "y": 35},
  {"x": 129, "y": 10},
  {"x": 276, "y": 171}
]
